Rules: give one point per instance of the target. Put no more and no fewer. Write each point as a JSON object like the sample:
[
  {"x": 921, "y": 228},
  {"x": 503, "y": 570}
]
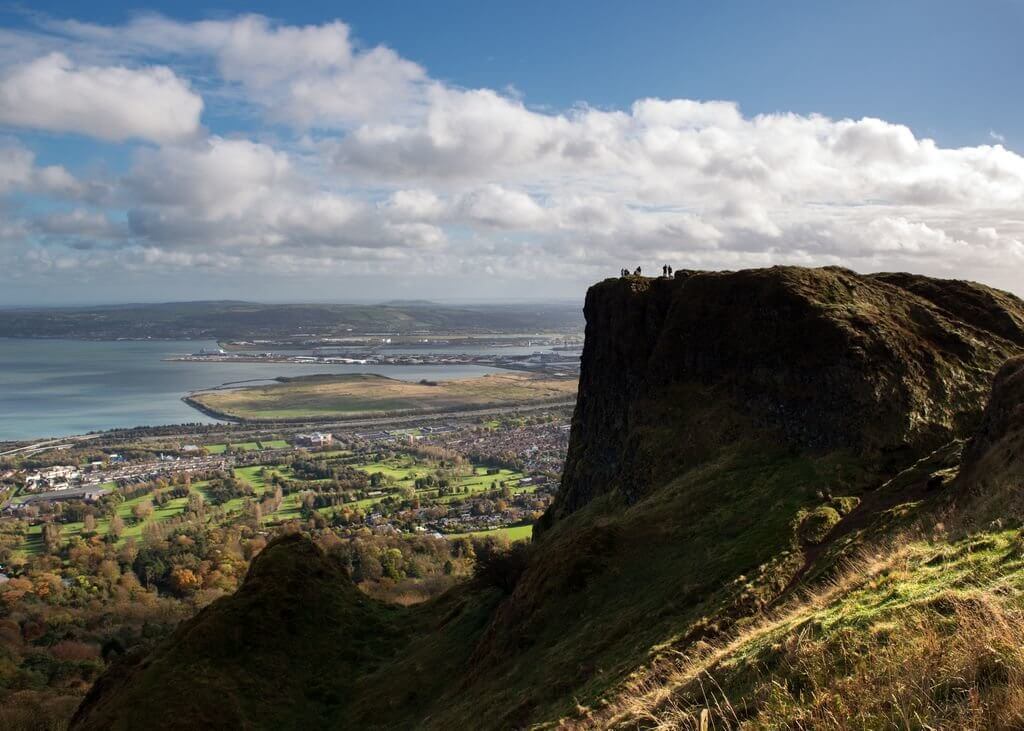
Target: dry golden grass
[
  {"x": 364, "y": 395},
  {"x": 941, "y": 658}
]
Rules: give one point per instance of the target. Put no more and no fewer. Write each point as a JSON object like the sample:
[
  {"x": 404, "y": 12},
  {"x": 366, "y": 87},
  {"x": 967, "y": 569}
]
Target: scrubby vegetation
[{"x": 815, "y": 526}]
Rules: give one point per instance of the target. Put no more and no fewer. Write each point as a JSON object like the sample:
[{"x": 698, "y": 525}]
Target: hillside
[{"x": 760, "y": 522}]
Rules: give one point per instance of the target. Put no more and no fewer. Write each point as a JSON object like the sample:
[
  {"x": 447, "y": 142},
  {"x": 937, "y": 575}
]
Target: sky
[{"x": 341, "y": 151}]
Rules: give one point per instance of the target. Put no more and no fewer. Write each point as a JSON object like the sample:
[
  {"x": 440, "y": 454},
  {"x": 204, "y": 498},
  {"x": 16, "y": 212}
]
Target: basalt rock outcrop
[
  {"x": 821, "y": 359},
  {"x": 992, "y": 474}
]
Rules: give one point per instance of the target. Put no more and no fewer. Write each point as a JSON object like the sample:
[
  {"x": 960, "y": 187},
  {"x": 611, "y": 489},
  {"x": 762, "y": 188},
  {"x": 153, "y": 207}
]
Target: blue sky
[{"x": 448, "y": 144}]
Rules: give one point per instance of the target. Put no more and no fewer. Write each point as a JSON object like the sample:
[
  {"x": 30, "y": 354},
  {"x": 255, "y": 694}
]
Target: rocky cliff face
[
  {"x": 821, "y": 359},
  {"x": 992, "y": 475}
]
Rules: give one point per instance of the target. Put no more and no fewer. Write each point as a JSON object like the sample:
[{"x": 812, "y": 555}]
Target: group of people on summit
[{"x": 666, "y": 271}]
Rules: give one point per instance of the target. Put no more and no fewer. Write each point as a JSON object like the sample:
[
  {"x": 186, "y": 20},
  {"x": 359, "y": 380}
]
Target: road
[
  {"x": 49, "y": 444},
  {"x": 263, "y": 427}
]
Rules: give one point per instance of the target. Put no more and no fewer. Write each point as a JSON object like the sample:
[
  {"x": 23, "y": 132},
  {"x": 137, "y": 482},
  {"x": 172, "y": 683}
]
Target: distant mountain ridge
[
  {"x": 240, "y": 320},
  {"x": 742, "y": 441}
]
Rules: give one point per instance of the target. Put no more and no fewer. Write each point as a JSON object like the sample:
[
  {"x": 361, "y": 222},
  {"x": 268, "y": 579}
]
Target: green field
[
  {"x": 247, "y": 446},
  {"x": 360, "y": 395},
  {"x": 513, "y": 533}
]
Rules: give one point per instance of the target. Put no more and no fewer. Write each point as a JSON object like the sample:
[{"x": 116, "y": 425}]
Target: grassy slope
[
  {"x": 611, "y": 584},
  {"x": 928, "y": 634},
  {"x": 924, "y": 630},
  {"x": 365, "y": 394}
]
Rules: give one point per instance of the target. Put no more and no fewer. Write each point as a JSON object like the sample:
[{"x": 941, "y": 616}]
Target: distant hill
[
  {"x": 249, "y": 320},
  {"x": 791, "y": 500}
]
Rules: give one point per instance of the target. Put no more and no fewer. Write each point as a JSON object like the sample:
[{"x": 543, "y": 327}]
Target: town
[
  {"x": 454, "y": 476},
  {"x": 563, "y": 360}
]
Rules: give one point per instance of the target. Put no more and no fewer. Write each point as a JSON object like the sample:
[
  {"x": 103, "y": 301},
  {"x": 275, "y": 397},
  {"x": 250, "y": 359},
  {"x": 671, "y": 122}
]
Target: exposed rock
[
  {"x": 993, "y": 467},
  {"x": 821, "y": 358}
]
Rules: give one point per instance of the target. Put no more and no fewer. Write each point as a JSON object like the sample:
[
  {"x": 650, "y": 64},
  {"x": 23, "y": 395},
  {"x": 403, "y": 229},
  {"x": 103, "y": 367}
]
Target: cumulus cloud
[
  {"x": 373, "y": 162},
  {"x": 247, "y": 195},
  {"x": 311, "y": 76},
  {"x": 111, "y": 103},
  {"x": 19, "y": 172}
]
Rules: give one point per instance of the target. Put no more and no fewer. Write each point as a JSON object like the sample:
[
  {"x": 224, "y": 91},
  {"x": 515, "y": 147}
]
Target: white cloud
[
  {"x": 19, "y": 172},
  {"x": 378, "y": 163},
  {"x": 248, "y": 196},
  {"x": 111, "y": 103},
  {"x": 310, "y": 76}
]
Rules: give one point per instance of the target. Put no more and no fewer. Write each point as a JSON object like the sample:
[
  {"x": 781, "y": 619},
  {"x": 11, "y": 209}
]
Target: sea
[{"x": 56, "y": 388}]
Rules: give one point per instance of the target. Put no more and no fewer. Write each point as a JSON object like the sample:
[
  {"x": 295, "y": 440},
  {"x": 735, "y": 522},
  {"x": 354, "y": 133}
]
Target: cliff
[
  {"x": 993, "y": 468},
  {"x": 887, "y": 366}
]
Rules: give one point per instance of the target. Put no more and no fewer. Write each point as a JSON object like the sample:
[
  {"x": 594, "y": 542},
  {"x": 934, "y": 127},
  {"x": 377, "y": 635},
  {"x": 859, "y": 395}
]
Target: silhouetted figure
[
  {"x": 637, "y": 272},
  {"x": 670, "y": 271}
]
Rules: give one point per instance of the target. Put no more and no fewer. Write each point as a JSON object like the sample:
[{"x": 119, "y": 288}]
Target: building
[
  {"x": 316, "y": 439},
  {"x": 53, "y": 478}
]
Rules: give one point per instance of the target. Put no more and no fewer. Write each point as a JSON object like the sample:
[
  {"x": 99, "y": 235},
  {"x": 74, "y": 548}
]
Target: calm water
[{"x": 61, "y": 387}]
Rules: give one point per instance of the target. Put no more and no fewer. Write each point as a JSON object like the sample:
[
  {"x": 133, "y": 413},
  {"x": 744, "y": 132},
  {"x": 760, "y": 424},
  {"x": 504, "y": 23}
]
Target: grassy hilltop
[{"x": 790, "y": 501}]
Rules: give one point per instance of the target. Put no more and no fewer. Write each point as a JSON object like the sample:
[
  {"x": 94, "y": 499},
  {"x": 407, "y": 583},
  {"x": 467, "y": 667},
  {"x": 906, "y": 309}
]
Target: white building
[{"x": 316, "y": 439}]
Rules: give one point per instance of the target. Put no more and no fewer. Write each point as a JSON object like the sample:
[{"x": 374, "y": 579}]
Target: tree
[
  {"x": 116, "y": 526},
  {"x": 142, "y": 510},
  {"x": 185, "y": 581},
  {"x": 391, "y": 561},
  {"x": 51, "y": 537},
  {"x": 499, "y": 564},
  {"x": 89, "y": 523},
  {"x": 196, "y": 504}
]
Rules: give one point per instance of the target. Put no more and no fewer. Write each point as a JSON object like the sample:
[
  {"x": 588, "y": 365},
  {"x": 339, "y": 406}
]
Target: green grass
[
  {"x": 132, "y": 529},
  {"x": 513, "y": 533},
  {"x": 247, "y": 446},
  {"x": 400, "y": 469},
  {"x": 888, "y": 639},
  {"x": 632, "y": 578}
]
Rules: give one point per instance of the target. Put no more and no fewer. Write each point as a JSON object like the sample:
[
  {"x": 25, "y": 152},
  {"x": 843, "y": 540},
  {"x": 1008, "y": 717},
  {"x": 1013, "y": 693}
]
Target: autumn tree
[
  {"x": 142, "y": 510},
  {"x": 51, "y": 537},
  {"x": 185, "y": 581},
  {"x": 116, "y": 528}
]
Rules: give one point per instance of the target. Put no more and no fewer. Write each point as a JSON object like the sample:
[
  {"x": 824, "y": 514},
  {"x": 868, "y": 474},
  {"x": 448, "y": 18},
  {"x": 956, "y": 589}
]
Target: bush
[
  {"x": 844, "y": 504},
  {"x": 816, "y": 526},
  {"x": 498, "y": 565}
]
